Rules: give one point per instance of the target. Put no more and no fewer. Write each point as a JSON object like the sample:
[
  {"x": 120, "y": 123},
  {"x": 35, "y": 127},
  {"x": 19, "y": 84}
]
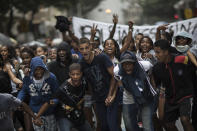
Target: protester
[
  {"x": 63, "y": 61},
  {"x": 138, "y": 37},
  {"x": 173, "y": 73},
  {"x": 183, "y": 42},
  {"x": 11, "y": 103},
  {"x": 146, "y": 51},
  {"x": 5, "y": 81},
  {"x": 39, "y": 85},
  {"x": 41, "y": 50},
  {"x": 52, "y": 54},
  {"x": 48, "y": 42},
  {"x": 131, "y": 47},
  {"x": 98, "y": 71},
  {"x": 70, "y": 94},
  {"x": 137, "y": 93},
  {"x": 8, "y": 55},
  {"x": 111, "y": 48},
  {"x": 26, "y": 54}
]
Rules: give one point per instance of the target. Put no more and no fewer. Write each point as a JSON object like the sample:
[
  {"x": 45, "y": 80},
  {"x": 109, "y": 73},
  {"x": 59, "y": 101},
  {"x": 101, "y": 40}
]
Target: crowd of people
[{"x": 77, "y": 85}]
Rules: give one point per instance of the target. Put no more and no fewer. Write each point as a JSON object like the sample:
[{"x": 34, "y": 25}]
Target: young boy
[
  {"x": 70, "y": 94},
  {"x": 39, "y": 86}
]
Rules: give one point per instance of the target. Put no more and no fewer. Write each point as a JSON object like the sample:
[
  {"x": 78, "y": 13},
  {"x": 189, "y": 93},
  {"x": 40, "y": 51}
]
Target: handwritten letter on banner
[{"x": 82, "y": 28}]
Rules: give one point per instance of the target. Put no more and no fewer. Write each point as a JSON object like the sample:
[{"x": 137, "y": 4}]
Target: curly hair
[{"x": 117, "y": 48}]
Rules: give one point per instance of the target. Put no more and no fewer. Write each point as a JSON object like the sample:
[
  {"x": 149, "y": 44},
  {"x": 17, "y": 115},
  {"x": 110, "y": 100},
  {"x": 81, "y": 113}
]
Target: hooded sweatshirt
[
  {"x": 185, "y": 48},
  {"x": 137, "y": 83},
  {"x": 40, "y": 91},
  {"x": 60, "y": 71}
]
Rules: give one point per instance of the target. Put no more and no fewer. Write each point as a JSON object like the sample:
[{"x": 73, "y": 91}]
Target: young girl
[{"x": 146, "y": 51}]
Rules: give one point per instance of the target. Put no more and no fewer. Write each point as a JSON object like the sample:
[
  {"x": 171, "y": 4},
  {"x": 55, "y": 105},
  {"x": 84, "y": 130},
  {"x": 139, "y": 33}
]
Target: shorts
[{"x": 175, "y": 110}]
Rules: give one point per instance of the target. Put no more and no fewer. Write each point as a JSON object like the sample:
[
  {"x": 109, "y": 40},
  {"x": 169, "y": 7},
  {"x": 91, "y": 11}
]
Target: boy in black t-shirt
[{"x": 98, "y": 71}]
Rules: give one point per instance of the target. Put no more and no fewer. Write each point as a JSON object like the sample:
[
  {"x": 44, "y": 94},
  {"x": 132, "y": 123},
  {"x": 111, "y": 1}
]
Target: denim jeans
[
  {"x": 130, "y": 112},
  {"x": 108, "y": 115},
  {"x": 66, "y": 125},
  {"x": 49, "y": 124}
]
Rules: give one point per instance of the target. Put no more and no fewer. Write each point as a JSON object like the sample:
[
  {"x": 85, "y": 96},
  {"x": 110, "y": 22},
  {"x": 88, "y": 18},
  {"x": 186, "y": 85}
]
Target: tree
[
  {"x": 5, "y": 7},
  {"x": 25, "y": 6},
  {"x": 157, "y": 10}
]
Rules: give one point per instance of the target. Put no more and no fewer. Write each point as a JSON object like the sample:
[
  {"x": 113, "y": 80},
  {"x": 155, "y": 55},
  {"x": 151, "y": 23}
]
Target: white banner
[{"x": 82, "y": 28}]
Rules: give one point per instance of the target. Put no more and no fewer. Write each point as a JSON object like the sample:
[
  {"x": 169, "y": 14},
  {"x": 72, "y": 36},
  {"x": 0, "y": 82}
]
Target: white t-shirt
[{"x": 127, "y": 96}]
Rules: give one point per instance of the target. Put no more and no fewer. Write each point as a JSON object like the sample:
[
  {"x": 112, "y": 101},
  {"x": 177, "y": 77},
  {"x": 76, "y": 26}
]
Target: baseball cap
[{"x": 127, "y": 58}]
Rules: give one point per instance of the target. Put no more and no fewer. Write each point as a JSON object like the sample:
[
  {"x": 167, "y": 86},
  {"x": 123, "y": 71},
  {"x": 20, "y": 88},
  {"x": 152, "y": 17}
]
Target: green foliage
[{"x": 25, "y": 6}]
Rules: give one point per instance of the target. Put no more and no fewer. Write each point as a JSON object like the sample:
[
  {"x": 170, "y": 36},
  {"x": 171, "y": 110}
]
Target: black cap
[{"x": 127, "y": 58}]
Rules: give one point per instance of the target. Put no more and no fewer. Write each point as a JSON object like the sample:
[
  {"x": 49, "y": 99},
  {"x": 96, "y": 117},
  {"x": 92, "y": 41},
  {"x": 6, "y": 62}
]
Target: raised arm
[
  {"x": 12, "y": 76},
  {"x": 66, "y": 37},
  {"x": 159, "y": 29},
  {"x": 128, "y": 39},
  {"x": 70, "y": 31},
  {"x": 115, "y": 21},
  {"x": 93, "y": 33}
]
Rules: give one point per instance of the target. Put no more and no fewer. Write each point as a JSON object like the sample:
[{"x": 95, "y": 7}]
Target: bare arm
[
  {"x": 28, "y": 110},
  {"x": 43, "y": 108},
  {"x": 112, "y": 88},
  {"x": 66, "y": 37},
  {"x": 158, "y": 33},
  {"x": 192, "y": 58},
  {"x": 115, "y": 21},
  {"x": 12, "y": 76},
  {"x": 161, "y": 104},
  {"x": 128, "y": 39},
  {"x": 152, "y": 81}
]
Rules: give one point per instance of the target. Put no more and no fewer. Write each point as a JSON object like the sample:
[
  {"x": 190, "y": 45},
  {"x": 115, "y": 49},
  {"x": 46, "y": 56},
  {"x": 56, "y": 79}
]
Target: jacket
[{"x": 38, "y": 96}]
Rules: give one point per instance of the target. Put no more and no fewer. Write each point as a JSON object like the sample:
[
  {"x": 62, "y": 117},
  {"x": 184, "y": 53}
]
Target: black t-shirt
[
  {"x": 176, "y": 77},
  {"x": 96, "y": 74},
  {"x": 5, "y": 82},
  {"x": 69, "y": 95},
  {"x": 61, "y": 72}
]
